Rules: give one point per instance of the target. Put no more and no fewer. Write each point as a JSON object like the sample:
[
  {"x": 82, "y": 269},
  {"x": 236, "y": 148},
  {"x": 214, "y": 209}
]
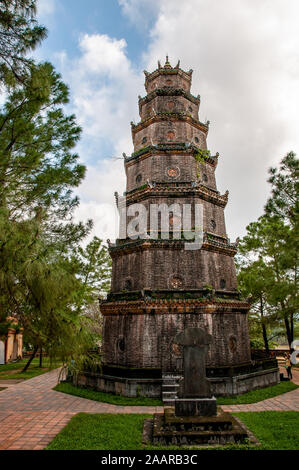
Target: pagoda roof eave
[
  {"x": 169, "y": 116},
  {"x": 170, "y": 190},
  {"x": 169, "y": 91},
  {"x": 167, "y": 71},
  {"x": 129, "y": 246},
  {"x": 170, "y": 147}
]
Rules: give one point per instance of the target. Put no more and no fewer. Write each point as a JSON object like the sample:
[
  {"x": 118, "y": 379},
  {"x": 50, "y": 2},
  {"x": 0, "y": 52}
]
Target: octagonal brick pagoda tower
[{"x": 159, "y": 288}]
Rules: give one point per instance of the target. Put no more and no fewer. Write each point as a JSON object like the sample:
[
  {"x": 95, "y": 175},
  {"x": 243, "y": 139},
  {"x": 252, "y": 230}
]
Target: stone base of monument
[
  {"x": 195, "y": 406},
  {"x": 168, "y": 429}
]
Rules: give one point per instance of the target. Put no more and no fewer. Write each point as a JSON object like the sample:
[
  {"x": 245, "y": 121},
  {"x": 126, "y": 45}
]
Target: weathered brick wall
[
  {"x": 168, "y": 130},
  {"x": 155, "y": 269},
  {"x": 173, "y": 80},
  {"x": 169, "y": 104},
  {"x": 155, "y": 168},
  {"x": 147, "y": 340},
  {"x": 213, "y": 216}
]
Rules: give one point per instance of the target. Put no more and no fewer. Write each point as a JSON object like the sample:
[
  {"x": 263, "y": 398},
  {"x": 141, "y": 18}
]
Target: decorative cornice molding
[
  {"x": 210, "y": 243},
  {"x": 176, "y": 189},
  {"x": 168, "y": 91},
  {"x": 174, "y": 147},
  {"x": 173, "y": 306},
  {"x": 149, "y": 76},
  {"x": 158, "y": 117}
]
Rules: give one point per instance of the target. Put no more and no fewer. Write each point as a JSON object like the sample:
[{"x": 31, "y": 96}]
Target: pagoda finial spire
[{"x": 167, "y": 63}]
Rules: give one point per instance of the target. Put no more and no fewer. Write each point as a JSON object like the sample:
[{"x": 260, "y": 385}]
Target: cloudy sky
[{"x": 245, "y": 58}]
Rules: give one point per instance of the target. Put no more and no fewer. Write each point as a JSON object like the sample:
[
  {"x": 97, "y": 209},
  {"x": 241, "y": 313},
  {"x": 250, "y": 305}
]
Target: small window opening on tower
[
  {"x": 128, "y": 284},
  {"x": 120, "y": 344},
  {"x": 213, "y": 224}
]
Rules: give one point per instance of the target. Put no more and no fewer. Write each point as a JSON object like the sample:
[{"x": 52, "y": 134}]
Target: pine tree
[
  {"x": 39, "y": 282},
  {"x": 45, "y": 277},
  {"x": 19, "y": 35},
  {"x": 253, "y": 280},
  {"x": 271, "y": 244}
]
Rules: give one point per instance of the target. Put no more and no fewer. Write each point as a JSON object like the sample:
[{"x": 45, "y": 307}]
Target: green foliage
[
  {"x": 254, "y": 279},
  {"x": 208, "y": 287},
  {"x": 19, "y": 34},
  {"x": 38, "y": 170},
  {"x": 94, "y": 266},
  {"x": 5, "y": 325},
  {"x": 45, "y": 277},
  {"x": 37, "y": 166},
  {"x": 201, "y": 155},
  {"x": 284, "y": 201},
  {"x": 268, "y": 264}
]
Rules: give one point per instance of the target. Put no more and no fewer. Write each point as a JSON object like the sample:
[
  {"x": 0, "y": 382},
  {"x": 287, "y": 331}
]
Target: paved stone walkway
[
  {"x": 286, "y": 402},
  {"x": 31, "y": 413}
]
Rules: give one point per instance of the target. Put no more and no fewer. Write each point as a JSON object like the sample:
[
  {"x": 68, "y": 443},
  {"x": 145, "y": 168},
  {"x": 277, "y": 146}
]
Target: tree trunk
[
  {"x": 264, "y": 330},
  {"x": 265, "y": 338},
  {"x": 288, "y": 331},
  {"x": 41, "y": 357},
  {"x": 30, "y": 359}
]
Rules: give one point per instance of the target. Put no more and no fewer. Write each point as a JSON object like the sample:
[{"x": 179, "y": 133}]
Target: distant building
[{"x": 11, "y": 346}]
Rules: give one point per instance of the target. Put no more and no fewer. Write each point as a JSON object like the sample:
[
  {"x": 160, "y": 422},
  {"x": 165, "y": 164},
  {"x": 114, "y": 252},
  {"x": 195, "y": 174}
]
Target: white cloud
[
  {"x": 104, "y": 216},
  {"x": 104, "y": 55},
  {"x": 104, "y": 88}
]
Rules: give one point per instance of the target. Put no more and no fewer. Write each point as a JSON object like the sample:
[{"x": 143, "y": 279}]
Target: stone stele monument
[
  {"x": 195, "y": 420},
  {"x": 195, "y": 398}
]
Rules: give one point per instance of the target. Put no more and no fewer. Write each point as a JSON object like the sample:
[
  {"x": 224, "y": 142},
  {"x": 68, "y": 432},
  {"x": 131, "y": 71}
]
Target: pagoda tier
[{"x": 169, "y": 162}]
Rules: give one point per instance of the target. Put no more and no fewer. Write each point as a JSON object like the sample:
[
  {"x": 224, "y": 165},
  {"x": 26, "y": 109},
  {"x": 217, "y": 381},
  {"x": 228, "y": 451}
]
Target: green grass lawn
[
  {"x": 12, "y": 370},
  {"x": 101, "y": 431},
  {"x": 258, "y": 395},
  {"x": 276, "y": 430},
  {"x": 104, "y": 397},
  {"x": 250, "y": 397}
]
